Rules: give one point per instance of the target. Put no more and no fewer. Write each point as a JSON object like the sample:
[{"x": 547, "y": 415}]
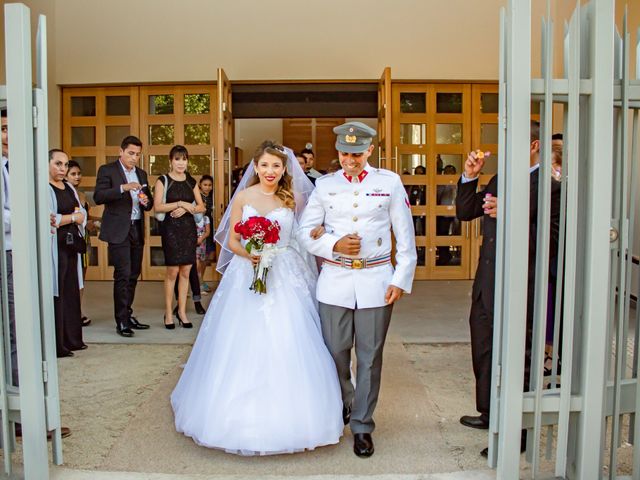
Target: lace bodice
[{"x": 284, "y": 216}]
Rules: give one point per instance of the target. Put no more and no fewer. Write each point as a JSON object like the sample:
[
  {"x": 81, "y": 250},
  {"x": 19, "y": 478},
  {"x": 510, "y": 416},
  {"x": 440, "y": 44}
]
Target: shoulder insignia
[
  {"x": 383, "y": 171},
  {"x": 325, "y": 176}
]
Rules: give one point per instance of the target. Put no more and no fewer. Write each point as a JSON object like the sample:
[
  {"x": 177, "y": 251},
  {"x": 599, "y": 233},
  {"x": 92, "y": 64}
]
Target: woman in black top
[
  {"x": 178, "y": 230},
  {"x": 66, "y": 216}
]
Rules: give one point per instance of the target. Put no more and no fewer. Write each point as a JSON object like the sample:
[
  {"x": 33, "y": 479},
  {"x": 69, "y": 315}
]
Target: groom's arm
[{"x": 313, "y": 216}]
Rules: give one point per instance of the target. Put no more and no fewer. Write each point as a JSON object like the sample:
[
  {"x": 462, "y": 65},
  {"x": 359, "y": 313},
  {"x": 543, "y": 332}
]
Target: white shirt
[
  {"x": 132, "y": 176},
  {"x": 6, "y": 206},
  {"x": 371, "y": 208}
]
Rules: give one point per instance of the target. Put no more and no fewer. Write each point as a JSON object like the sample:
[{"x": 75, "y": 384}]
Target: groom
[{"x": 359, "y": 206}]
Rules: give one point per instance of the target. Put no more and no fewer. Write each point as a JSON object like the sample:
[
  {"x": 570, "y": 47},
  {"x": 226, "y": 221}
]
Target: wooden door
[
  {"x": 223, "y": 164},
  {"x": 94, "y": 122},
  {"x": 386, "y": 154},
  {"x": 484, "y": 137},
  {"x": 173, "y": 115},
  {"x": 431, "y": 134},
  {"x": 297, "y": 132}
]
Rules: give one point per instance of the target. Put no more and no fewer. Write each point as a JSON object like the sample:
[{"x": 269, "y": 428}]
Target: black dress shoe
[
  {"x": 124, "y": 331},
  {"x": 479, "y": 421},
  {"x": 362, "y": 444},
  {"x": 199, "y": 308},
  {"x": 346, "y": 414},
  {"x": 523, "y": 446},
  {"x": 135, "y": 324},
  {"x": 68, "y": 353}
]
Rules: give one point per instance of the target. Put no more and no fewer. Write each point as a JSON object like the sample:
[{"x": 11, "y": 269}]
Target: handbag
[
  {"x": 75, "y": 242},
  {"x": 160, "y": 215}
]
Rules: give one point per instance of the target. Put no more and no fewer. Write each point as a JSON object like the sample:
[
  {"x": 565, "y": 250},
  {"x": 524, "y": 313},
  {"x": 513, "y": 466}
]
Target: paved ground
[{"x": 115, "y": 399}]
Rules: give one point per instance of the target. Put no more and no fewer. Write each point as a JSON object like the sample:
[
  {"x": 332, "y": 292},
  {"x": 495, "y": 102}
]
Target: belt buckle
[{"x": 357, "y": 263}]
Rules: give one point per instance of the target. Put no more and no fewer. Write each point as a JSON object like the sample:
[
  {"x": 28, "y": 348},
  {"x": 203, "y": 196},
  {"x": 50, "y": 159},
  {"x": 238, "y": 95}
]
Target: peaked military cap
[{"x": 353, "y": 137}]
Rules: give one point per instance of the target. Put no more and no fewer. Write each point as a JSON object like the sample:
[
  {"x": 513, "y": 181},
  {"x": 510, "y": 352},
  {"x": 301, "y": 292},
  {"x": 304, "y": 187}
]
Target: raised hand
[{"x": 474, "y": 163}]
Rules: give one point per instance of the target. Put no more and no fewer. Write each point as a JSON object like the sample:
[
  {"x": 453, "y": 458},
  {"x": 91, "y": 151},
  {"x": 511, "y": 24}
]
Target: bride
[{"x": 259, "y": 379}]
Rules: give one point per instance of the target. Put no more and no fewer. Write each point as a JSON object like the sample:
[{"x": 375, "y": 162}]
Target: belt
[{"x": 360, "y": 263}]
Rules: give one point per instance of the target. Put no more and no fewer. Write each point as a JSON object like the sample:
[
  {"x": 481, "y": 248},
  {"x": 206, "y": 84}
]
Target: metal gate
[
  {"x": 580, "y": 421},
  {"x": 35, "y": 403}
]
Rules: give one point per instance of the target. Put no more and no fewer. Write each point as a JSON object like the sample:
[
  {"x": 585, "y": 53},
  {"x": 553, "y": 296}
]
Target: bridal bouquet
[{"x": 261, "y": 235}]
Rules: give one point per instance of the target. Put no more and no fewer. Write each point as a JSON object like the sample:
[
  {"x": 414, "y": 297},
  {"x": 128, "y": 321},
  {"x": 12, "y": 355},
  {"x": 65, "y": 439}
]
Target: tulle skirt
[{"x": 259, "y": 379}]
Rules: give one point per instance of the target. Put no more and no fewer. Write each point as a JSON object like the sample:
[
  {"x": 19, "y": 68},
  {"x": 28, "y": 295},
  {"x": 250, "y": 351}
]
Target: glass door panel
[
  {"x": 173, "y": 115},
  {"x": 94, "y": 122}
]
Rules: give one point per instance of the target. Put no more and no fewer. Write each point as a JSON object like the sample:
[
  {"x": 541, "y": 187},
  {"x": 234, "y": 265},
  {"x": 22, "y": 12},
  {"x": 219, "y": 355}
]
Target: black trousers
[
  {"x": 126, "y": 258},
  {"x": 67, "y": 304},
  {"x": 194, "y": 283},
  {"x": 481, "y": 327}
]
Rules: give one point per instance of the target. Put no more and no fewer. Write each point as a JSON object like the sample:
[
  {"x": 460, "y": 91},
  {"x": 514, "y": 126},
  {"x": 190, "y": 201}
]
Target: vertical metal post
[
  {"x": 571, "y": 176},
  {"x": 45, "y": 274},
  {"x": 20, "y": 114},
  {"x": 496, "y": 366},
  {"x": 515, "y": 252},
  {"x": 542, "y": 250},
  {"x": 596, "y": 265}
]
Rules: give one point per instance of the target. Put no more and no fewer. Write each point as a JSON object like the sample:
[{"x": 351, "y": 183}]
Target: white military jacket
[{"x": 371, "y": 209}]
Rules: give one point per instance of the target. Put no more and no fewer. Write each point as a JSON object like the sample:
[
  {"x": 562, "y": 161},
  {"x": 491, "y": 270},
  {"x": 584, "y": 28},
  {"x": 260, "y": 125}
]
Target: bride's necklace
[{"x": 266, "y": 193}]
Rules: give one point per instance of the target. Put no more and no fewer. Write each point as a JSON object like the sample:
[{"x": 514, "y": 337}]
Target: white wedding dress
[{"x": 259, "y": 379}]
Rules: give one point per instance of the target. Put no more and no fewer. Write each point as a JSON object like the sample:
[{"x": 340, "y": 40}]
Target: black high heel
[
  {"x": 168, "y": 326},
  {"x": 184, "y": 324}
]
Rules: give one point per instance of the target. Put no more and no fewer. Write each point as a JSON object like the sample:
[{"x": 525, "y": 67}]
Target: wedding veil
[{"x": 302, "y": 188}]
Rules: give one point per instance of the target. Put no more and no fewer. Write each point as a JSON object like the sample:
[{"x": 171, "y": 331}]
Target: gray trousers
[{"x": 368, "y": 328}]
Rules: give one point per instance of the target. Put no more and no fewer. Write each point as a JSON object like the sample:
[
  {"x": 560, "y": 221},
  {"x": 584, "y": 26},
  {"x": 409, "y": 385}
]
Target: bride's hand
[
  {"x": 255, "y": 259},
  {"x": 317, "y": 232}
]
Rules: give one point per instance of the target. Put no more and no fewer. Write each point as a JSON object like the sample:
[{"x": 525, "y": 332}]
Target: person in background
[
  {"x": 206, "y": 191},
  {"x": 74, "y": 177},
  {"x": 68, "y": 216},
  {"x": 236, "y": 176},
  {"x": 472, "y": 204},
  {"x": 122, "y": 188},
  {"x": 308, "y": 154},
  {"x": 8, "y": 251},
  {"x": 302, "y": 161},
  {"x": 178, "y": 196},
  {"x": 334, "y": 166}
]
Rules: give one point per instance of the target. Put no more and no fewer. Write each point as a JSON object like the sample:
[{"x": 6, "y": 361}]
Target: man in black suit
[
  {"x": 471, "y": 204},
  {"x": 122, "y": 187}
]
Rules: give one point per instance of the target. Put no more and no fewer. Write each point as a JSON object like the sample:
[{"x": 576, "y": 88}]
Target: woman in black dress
[
  {"x": 66, "y": 216},
  {"x": 178, "y": 230}
]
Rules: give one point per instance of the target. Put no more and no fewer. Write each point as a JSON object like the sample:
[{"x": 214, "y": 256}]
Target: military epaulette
[
  {"x": 384, "y": 171},
  {"x": 326, "y": 175}
]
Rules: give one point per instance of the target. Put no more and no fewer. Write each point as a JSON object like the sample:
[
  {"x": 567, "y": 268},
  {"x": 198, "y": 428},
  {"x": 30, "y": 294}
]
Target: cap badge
[
  {"x": 350, "y": 138},
  {"x": 351, "y": 130}
]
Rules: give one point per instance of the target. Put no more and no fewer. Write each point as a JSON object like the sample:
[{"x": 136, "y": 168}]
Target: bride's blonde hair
[{"x": 285, "y": 184}]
